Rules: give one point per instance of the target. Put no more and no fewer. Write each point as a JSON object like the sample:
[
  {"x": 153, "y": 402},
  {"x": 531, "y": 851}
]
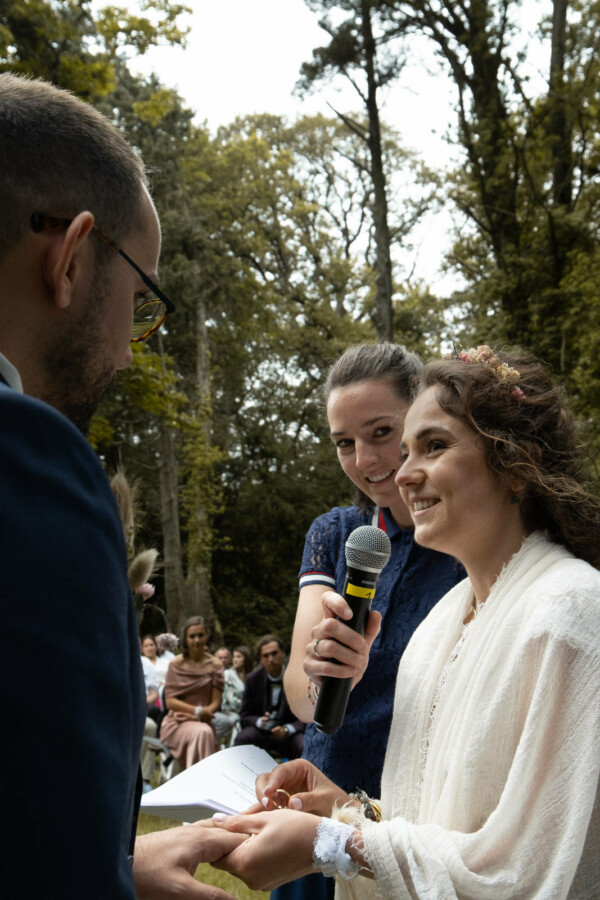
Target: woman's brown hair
[{"x": 529, "y": 437}]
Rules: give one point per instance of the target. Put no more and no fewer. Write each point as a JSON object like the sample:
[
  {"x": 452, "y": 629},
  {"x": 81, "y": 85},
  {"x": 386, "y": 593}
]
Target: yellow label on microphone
[{"x": 355, "y": 591}]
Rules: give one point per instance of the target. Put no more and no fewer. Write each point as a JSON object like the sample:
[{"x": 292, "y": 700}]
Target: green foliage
[
  {"x": 71, "y": 45},
  {"x": 265, "y": 234},
  {"x": 268, "y": 254},
  {"x": 117, "y": 28},
  {"x": 200, "y": 489},
  {"x": 345, "y": 52},
  {"x": 527, "y": 185}
]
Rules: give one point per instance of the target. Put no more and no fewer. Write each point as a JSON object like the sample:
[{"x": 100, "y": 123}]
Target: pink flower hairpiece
[
  {"x": 486, "y": 356},
  {"x": 146, "y": 591}
]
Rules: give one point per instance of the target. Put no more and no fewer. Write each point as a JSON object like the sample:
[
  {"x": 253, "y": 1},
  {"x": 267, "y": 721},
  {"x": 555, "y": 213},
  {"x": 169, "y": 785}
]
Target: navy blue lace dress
[
  {"x": 414, "y": 579},
  {"x": 410, "y": 585}
]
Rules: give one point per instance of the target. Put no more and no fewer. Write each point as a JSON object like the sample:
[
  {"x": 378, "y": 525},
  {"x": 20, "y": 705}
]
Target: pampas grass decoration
[
  {"x": 141, "y": 568},
  {"x": 126, "y": 497},
  {"x": 143, "y": 564}
]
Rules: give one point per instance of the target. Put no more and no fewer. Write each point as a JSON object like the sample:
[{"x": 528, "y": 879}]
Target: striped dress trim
[{"x": 317, "y": 578}]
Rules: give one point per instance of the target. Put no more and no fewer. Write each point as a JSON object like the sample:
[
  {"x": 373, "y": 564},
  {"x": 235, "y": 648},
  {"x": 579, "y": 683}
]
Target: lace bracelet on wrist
[{"x": 329, "y": 851}]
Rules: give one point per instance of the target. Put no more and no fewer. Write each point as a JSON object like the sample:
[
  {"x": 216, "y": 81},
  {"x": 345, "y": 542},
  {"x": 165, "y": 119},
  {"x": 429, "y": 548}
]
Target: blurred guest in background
[
  {"x": 224, "y": 656},
  {"x": 159, "y": 663},
  {"x": 266, "y": 719},
  {"x": 192, "y": 695},
  {"x": 148, "y": 755},
  {"x": 227, "y": 720}
]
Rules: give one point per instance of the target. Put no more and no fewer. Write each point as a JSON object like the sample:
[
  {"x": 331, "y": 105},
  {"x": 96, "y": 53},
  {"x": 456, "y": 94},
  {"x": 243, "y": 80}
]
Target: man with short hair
[
  {"x": 224, "y": 656},
  {"x": 266, "y": 719},
  {"x": 79, "y": 246}
]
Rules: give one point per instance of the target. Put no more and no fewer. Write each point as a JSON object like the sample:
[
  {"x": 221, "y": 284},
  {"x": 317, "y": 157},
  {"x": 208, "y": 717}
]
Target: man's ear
[{"x": 65, "y": 261}]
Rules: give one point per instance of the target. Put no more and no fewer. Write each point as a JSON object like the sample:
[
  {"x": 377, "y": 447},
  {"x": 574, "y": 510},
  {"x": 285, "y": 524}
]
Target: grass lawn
[{"x": 205, "y": 872}]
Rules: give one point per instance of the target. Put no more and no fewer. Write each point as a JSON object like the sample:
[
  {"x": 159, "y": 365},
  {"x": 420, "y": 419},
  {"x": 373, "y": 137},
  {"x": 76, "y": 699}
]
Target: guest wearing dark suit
[
  {"x": 267, "y": 721},
  {"x": 70, "y": 302}
]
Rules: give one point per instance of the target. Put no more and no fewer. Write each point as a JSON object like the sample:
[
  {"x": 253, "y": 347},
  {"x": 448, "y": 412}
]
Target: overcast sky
[{"x": 244, "y": 56}]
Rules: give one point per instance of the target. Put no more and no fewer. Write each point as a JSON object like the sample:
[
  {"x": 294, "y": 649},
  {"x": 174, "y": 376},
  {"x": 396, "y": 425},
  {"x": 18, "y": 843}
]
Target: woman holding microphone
[
  {"x": 490, "y": 784},
  {"x": 367, "y": 393}
]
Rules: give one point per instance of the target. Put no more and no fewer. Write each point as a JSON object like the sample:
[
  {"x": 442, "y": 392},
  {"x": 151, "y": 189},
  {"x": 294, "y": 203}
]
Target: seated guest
[
  {"x": 193, "y": 692},
  {"x": 166, "y": 644},
  {"x": 160, "y": 664},
  {"x": 226, "y": 721},
  {"x": 148, "y": 755},
  {"x": 224, "y": 656},
  {"x": 267, "y": 721}
]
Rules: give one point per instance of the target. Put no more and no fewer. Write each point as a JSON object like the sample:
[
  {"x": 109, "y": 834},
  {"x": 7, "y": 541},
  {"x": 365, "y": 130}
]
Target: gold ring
[
  {"x": 315, "y": 651},
  {"x": 276, "y": 803}
]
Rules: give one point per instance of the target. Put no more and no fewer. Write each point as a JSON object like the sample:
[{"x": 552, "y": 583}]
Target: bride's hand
[
  {"x": 297, "y": 785},
  {"x": 279, "y": 850},
  {"x": 333, "y": 639}
]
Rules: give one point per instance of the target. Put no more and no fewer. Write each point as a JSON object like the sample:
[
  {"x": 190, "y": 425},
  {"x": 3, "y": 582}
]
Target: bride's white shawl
[{"x": 499, "y": 800}]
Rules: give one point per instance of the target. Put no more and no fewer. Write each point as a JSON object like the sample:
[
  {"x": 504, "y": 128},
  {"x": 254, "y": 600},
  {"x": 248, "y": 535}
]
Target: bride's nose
[{"x": 408, "y": 473}]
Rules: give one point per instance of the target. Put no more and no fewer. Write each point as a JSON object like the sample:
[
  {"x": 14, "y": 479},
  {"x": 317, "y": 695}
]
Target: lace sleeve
[{"x": 321, "y": 550}]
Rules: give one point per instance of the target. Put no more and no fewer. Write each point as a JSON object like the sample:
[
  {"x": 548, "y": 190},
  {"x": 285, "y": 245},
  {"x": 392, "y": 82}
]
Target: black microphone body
[{"x": 367, "y": 551}]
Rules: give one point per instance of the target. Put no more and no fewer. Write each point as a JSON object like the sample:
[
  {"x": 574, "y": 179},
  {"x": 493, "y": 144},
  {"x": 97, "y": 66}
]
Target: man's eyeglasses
[{"x": 149, "y": 315}]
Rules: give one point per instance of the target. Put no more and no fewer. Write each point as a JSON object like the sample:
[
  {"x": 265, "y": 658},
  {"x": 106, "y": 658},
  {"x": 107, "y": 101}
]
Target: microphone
[{"x": 367, "y": 551}]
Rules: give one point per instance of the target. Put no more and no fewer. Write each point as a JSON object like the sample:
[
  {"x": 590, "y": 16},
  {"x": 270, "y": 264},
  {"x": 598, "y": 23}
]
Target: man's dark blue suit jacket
[
  {"x": 255, "y": 702},
  {"x": 72, "y": 707}
]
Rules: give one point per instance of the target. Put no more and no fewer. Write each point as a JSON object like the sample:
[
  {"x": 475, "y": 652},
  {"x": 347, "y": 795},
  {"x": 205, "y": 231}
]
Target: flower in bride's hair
[
  {"x": 146, "y": 591},
  {"x": 486, "y": 356}
]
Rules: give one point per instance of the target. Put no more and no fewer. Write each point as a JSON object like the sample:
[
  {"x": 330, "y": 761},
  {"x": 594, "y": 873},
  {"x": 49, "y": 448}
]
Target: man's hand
[
  {"x": 278, "y": 733},
  {"x": 165, "y": 862}
]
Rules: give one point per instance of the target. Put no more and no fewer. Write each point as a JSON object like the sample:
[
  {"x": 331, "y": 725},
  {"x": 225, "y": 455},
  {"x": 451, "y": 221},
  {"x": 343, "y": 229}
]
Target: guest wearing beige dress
[{"x": 193, "y": 692}]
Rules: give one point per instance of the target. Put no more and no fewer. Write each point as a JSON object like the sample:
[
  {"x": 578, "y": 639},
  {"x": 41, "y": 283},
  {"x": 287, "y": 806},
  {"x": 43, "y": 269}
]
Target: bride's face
[{"x": 457, "y": 504}]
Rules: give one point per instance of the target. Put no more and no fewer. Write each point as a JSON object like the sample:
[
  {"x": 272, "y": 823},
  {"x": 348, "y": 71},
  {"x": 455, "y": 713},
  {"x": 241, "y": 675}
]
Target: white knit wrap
[{"x": 496, "y": 796}]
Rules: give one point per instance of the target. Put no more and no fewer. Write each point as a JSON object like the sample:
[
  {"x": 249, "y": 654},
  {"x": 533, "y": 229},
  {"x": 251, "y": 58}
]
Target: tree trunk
[
  {"x": 383, "y": 260},
  {"x": 487, "y": 138},
  {"x": 169, "y": 494},
  {"x": 197, "y": 590},
  {"x": 558, "y": 125}
]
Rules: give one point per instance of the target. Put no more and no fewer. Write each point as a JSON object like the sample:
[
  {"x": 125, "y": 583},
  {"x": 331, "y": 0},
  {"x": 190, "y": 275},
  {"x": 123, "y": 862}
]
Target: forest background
[{"x": 285, "y": 241}]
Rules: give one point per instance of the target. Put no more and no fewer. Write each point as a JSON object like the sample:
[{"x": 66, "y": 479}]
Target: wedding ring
[
  {"x": 315, "y": 651},
  {"x": 277, "y": 803}
]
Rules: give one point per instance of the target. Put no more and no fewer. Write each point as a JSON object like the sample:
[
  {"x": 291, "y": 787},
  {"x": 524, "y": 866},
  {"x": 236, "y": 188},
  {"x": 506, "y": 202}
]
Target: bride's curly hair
[{"x": 529, "y": 437}]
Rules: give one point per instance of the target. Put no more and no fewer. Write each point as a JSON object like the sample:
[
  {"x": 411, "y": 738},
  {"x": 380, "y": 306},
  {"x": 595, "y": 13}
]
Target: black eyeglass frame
[{"x": 39, "y": 221}]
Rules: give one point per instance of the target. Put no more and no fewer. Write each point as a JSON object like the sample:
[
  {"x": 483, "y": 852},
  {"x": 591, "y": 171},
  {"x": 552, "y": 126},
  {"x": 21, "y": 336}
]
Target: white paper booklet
[{"x": 223, "y": 782}]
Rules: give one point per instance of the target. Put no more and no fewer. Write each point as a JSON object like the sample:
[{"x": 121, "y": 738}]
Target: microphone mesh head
[{"x": 368, "y": 547}]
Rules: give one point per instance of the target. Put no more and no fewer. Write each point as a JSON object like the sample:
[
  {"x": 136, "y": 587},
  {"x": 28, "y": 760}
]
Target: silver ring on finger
[{"x": 315, "y": 651}]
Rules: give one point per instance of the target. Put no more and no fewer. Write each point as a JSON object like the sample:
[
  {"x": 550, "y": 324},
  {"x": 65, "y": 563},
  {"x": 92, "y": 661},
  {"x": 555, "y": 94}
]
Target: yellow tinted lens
[{"x": 147, "y": 318}]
